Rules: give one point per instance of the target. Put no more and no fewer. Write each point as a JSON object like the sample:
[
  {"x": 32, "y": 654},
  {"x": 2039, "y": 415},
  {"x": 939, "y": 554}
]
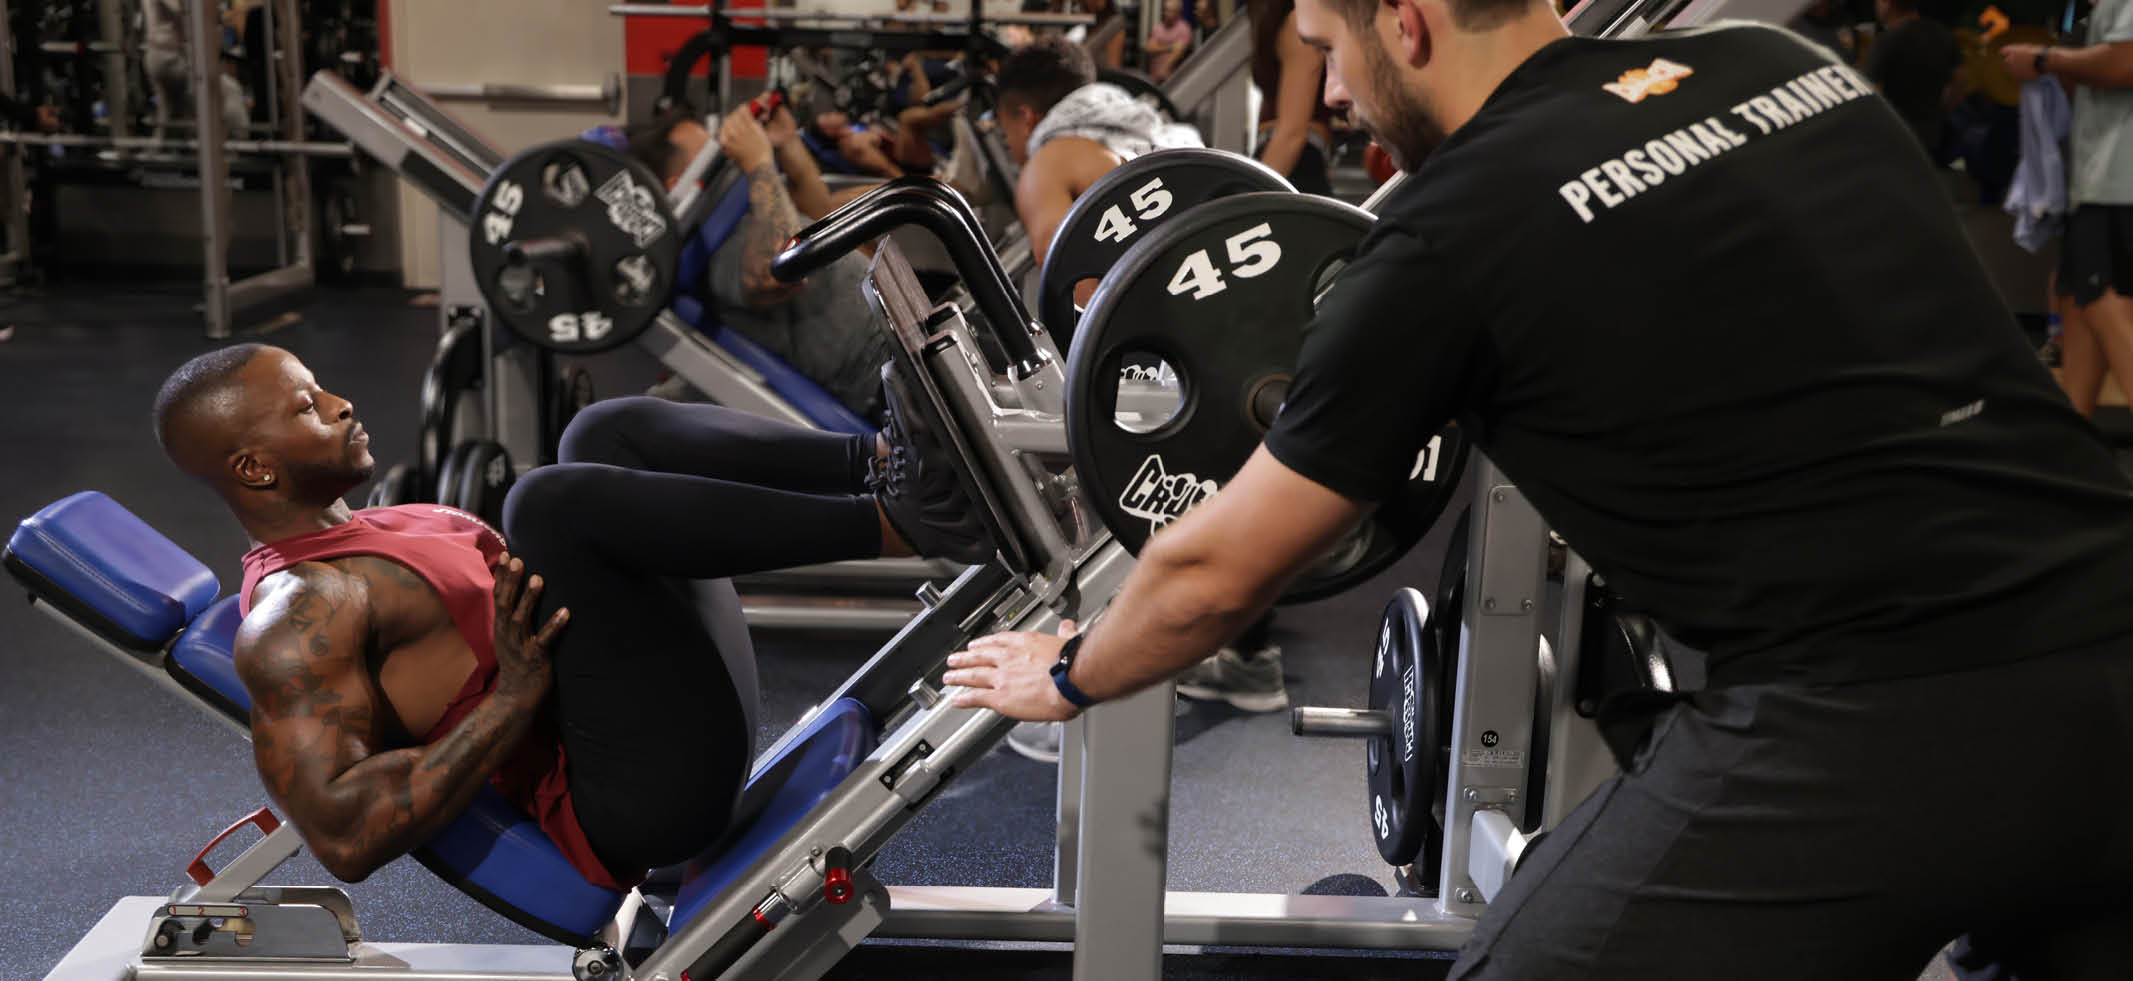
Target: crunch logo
[{"x": 1662, "y": 77}]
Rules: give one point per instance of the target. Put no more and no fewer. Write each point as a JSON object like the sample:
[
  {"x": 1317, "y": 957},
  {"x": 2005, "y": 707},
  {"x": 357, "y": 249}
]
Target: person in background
[
  {"x": 1295, "y": 129},
  {"x": 163, "y": 58},
  {"x": 1205, "y": 19},
  {"x": 818, "y": 325},
  {"x": 2096, "y": 249},
  {"x": 1169, "y": 41},
  {"x": 1917, "y": 65}
]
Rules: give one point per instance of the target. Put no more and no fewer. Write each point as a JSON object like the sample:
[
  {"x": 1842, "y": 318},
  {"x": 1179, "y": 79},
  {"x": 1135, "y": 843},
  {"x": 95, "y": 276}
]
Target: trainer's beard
[{"x": 1400, "y": 124}]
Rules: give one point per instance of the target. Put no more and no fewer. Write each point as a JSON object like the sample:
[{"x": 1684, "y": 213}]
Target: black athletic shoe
[{"x": 918, "y": 489}]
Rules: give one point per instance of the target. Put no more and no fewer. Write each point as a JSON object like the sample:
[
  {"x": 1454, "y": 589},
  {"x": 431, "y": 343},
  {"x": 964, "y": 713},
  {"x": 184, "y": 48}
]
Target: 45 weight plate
[
  {"x": 1218, "y": 298},
  {"x": 1133, "y": 198},
  {"x": 574, "y": 246}
]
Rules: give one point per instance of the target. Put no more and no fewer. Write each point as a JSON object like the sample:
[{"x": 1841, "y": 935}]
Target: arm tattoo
[
  {"x": 774, "y": 223},
  {"x": 315, "y": 735}
]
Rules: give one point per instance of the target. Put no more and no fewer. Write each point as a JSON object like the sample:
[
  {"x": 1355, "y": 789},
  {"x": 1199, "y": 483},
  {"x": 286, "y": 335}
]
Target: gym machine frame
[{"x": 212, "y": 149}]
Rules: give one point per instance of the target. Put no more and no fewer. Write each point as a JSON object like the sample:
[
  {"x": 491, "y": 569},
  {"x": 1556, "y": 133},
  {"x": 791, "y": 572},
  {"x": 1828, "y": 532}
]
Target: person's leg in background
[
  {"x": 2096, "y": 266},
  {"x": 1246, "y": 674},
  {"x": 2081, "y": 365}
]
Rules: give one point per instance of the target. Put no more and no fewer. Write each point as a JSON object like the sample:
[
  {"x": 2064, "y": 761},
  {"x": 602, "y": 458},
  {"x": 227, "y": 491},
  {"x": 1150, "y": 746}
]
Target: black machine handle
[
  {"x": 553, "y": 248},
  {"x": 929, "y": 204}
]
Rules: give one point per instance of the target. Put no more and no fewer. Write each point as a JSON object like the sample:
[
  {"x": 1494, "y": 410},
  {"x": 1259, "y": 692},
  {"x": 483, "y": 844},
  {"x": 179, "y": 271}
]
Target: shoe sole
[
  {"x": 1262, "y": 702},
  {"x": 1029, "y": 753}
]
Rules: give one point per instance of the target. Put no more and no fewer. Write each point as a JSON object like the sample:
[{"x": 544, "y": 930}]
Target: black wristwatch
[
  {"x": 2037, "y": 64},
  {"x": 1060, "y": 667}
]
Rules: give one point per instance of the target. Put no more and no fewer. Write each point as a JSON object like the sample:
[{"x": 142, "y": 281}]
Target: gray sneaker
[
  {"x": 1037, "y": 740},
  {"x": 1250, "y": 684}
]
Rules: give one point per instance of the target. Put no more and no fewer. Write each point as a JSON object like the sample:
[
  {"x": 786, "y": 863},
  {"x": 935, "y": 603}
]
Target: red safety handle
[{"x": 200, "y": 873}]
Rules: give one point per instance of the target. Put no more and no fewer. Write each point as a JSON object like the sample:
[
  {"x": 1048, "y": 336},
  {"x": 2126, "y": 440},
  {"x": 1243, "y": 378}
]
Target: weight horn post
[{"x": 1340, "y": 723}]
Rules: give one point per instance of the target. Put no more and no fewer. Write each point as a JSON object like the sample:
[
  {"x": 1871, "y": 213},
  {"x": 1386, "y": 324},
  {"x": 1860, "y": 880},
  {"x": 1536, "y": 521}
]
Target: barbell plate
[
  {"x": 623, "y": 254},
  {"x": 1219, "y": 298},
  {"x": 1124, "y": 204}
]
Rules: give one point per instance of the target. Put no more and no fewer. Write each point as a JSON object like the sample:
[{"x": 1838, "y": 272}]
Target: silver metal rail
[
  {"x": 703, "y": 12},
  {"x": 307, "y": 148},
  {"x": 607, "y": 94}
]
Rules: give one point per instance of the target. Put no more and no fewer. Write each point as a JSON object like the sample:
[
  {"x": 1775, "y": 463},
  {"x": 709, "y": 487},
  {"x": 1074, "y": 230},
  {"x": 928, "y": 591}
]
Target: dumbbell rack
[{"x": 438, "y": 155}]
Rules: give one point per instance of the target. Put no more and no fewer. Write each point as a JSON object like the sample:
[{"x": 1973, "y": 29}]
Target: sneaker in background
[{"x": 1249, "y": 683}]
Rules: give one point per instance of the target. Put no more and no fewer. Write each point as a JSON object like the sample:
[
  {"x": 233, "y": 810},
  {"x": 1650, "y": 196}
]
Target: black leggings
[{"x": 653, "y": 505}]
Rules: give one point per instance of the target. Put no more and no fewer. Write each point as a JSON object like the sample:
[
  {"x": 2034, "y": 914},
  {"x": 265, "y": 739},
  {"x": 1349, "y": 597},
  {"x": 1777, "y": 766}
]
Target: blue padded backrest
[
  {"x": 718, "y": 226},
  {"x": 96, "y": 556},
  {"x": 834, "y": 743},
  {"x": 108, "y": 569},
  {"x": 202, "y": 661}
]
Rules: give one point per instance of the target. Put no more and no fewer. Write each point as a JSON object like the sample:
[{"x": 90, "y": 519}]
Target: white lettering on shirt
[{"x": 1654, "y": 161}]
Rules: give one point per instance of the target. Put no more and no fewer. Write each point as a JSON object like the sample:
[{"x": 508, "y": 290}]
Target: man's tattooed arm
[
  {"x": 772, "y": 222},
  {"x": 301, "y": 656}
]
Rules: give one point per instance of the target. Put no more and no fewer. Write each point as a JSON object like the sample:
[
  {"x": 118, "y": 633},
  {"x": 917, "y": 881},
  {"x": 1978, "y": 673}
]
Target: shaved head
[
  {"x": 252, "y": 423},
  {"x": 197, "y": 409}
]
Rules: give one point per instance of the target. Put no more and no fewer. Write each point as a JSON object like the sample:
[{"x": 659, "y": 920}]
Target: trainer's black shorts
[{"x": 2096, "y": 252}]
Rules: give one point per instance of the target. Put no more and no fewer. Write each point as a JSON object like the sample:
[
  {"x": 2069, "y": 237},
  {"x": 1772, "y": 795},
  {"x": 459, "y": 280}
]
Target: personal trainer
[
  {"x": 1632, "y": 270},
  {"x": 399, "y": 657}
]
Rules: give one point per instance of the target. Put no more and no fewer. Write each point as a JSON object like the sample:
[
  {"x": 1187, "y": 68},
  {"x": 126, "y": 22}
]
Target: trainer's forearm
[
  {"x": 1173, "y": 610},
  {"x": 388, "y": 804}
]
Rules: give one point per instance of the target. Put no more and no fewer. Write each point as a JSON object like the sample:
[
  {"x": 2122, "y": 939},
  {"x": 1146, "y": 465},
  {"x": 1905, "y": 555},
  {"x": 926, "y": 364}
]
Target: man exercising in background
[
  {"x": 1630, "y": 268},
  {"x": 598, "y": 674},
  {"x": 818, "y": 326}
]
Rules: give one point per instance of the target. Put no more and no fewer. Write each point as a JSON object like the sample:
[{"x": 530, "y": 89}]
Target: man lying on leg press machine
[
  {"x": 398, "y": 657},
  {"x": 1847, "y": 480}
]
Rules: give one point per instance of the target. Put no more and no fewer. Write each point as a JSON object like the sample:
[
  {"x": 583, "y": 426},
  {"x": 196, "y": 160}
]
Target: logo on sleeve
[{"x": 1662, "y": 77}]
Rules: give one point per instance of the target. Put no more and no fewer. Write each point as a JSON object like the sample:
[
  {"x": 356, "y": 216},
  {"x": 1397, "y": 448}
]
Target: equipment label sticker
[
  {"x": 1162, "y": 497},
  {"x": 1493, "y": 757},
  {"x": 632, "y": 209}
]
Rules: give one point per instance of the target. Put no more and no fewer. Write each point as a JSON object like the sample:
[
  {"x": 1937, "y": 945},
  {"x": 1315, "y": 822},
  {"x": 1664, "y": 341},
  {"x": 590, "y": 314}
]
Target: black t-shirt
[
  {"x": 1702, "y": 298},
  {"x": 1912, "y": 62}
]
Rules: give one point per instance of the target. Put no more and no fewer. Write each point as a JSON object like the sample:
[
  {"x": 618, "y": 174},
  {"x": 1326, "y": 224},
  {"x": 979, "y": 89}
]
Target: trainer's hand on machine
[
  {"x": 522, "y": 663},
  {"x": 1011, "y": 674},
  {"x": 743, "y": 141}
]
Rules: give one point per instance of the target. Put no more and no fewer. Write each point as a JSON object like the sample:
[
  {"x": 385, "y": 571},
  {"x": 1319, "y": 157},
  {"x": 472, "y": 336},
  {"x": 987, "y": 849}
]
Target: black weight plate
[
  {"x": 391, "y": 487},
  {"x": 1134, "y": 197},
  {"x": 485, "y": 476},
  {"x": 456, "y": 368},
  {"x": 610, "y": 211},
  {"x": 1222, "y": 295},
  {"x": 1403, "y": 770},
  {"x": 448, "y": 475}
]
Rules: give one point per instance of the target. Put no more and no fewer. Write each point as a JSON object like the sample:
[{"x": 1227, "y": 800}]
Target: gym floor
[{"x": 111, "y": 785}]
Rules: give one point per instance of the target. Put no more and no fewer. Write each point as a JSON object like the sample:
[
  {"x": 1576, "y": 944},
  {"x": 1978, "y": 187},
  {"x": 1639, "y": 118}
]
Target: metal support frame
[
  {"x": 1214, "y": 88},
  {"x": 12, "y": 170},
  {"x": 293, "y": 173}
]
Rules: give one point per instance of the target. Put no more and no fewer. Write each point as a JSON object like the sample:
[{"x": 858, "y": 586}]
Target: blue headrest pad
[
  {"x": 835, "y": 742},
  {"x": 204, "y": 653},
  {"x": 607, "y": 135},
  {"x": 492, "y": 850},
  {"x": 112, "y": 566}
]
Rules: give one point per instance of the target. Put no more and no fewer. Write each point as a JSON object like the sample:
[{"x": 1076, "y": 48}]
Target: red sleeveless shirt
[{"x": 452, "y": 551}]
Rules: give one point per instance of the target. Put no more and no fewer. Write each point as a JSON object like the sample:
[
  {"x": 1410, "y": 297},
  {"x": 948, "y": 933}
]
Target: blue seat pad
[
  {"x": 834, "y": 743},
  {"x": 111, "y": 571}
]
